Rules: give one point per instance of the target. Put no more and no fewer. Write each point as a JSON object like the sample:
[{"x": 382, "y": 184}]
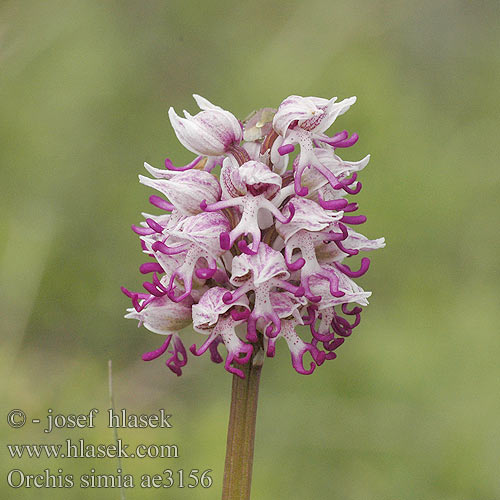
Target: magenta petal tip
[{"x": 287, "y": 148}]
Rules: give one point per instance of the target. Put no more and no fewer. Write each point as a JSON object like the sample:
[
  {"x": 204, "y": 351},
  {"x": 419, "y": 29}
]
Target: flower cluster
[{"x": 250, "y": 254}]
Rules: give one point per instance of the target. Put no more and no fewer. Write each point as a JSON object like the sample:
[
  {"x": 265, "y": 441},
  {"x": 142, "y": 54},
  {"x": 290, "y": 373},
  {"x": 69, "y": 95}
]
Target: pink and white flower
[{"x": 250, "y": 256}]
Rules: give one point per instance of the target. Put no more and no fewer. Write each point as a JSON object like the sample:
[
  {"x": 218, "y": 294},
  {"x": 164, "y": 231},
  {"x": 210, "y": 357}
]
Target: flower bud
[
  {"x": 164, "y": 316},
  {"x": 211, "y": 132}
]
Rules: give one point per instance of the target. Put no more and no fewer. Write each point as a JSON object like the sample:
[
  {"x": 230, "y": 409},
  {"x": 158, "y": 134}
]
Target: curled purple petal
[
  {"x": 322, "y": 337},
  {"x": 214, "y": 353},
  {"x": 178, "y": 358},
  {"x": 354, "y": 219},
  {"x": 275, "y": 327},
  {"x": 271, "y": 348},
  {"x": 158, "y": 228},
  {"x": 180, "y": 298},
  {"x": 355, "y": 190},
  {"x": 294, "y": 266},
  {"x": 365, "y": 264},
  {"x": 333, "y": 344},
  {"x": 189, "y": 166},
  {"x": 159, "y": 202},
  {"x": 354, "y": 310},
  {"x": 338, "y": 137},
  {"x": 297, "y": 361},
  {"x": 247, "y": 350},
  {"x": 153, "y": 290},
  {"x": 347, "y": 143},
  {"x": 158, "y": 246},
  {"x": 142, "y": 231},
  {"x": 332, "y": 204},
  {"x": 149, "y": 356},
  {"x": 232, "y": 369},
  {"x": 292, "y": 213},
  {"x": 205, "y": 273},
  {"x": 151, "y": 267},
  {"x": 344, "y": 249},
  {"x": 243, "y": 246},
  {"x": 311, "y": 315},
  {"x": 351, "y": 207}
]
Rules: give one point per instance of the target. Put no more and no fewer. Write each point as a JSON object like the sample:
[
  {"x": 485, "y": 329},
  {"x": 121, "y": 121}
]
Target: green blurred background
[{"x": 411, "y": 407}]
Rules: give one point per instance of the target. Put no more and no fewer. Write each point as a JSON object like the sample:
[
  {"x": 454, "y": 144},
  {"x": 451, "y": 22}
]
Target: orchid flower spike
[{"x": 247, "y": 256}]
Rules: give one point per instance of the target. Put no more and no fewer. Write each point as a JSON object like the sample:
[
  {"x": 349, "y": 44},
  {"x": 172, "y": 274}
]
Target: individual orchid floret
[
  {"x": 259, "y": 184},
  {"x": 312, "y": 114},
  {"x": 196, "y": 237},
  {"x": 165, "y": 317},
  {"x": 350, "y": 245},
  {"x": 261, "y": 273},
  {"x": 313, "y": 179},
  {"x": 214, "y": 317},
  {"x": 286, "y": 307},
  {"x": 303, "y": 121},
  {"x": 352, "y": 292},
  {"x": 185, "y": 190},
  {"x": 303, "y": 234},
  {"x": 331, "y": 324},
  {"x": 213, "y": 131}
]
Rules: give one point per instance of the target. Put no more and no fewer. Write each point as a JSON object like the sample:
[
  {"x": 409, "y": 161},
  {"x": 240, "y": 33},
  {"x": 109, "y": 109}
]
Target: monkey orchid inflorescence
[{"x": 258, "y": 251}]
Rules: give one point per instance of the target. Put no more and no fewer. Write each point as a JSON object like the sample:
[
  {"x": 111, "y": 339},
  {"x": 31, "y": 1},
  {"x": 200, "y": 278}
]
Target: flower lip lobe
[{"x": 249, "y": 255}]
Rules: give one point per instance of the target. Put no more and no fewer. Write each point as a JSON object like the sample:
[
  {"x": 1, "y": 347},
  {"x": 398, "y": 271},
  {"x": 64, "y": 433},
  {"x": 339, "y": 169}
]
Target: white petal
[
  {"x": 263, "y": 266},
  {"x": 211, "y": 306}
]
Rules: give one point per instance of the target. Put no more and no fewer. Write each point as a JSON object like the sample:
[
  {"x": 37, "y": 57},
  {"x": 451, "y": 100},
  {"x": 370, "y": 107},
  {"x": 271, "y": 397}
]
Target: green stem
[{"x": 241, "y": 432}]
